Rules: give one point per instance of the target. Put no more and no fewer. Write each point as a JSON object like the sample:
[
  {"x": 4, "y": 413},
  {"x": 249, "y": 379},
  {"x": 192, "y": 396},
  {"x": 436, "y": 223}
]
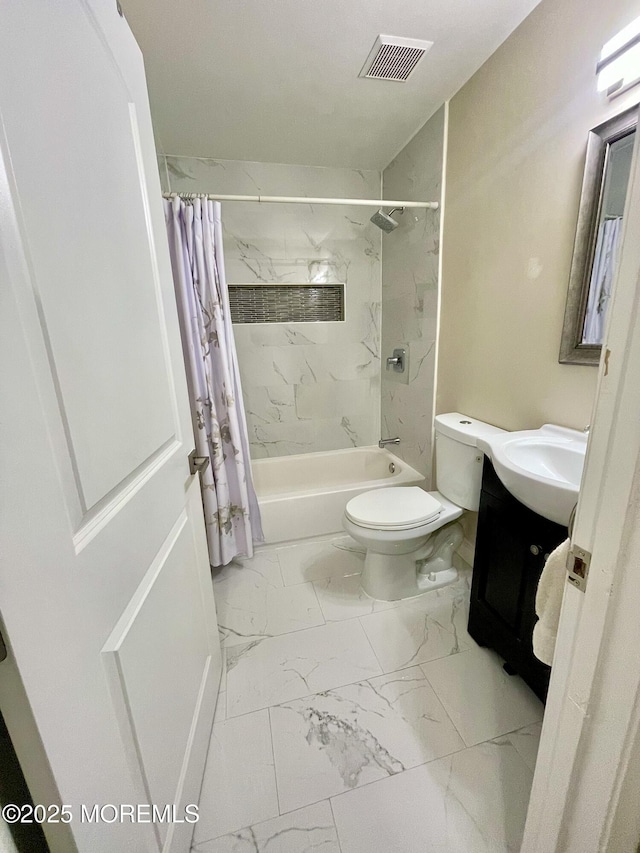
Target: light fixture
[{"x": 619, "y": 66}]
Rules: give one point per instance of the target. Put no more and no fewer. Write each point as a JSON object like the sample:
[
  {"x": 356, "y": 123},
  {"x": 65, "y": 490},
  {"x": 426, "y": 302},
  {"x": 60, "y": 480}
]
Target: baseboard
[{"x": 467, "y": 552}]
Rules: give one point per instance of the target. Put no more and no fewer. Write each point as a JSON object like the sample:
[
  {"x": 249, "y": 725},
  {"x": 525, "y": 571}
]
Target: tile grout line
[
  {"x": 280, "y": 569},
  {"x": 386, "y": 778},
  {"x": 467, "y": 746},
  {"x": 494, "y": 740},
  {"x": 443, "y": 706},
  {"x": 317, "y": 600},
  {"x": 273, "y": 756},
  {"x": 366, "y": 680},
  {"x": 269, "y": 819},
  {"x": 323, "y": 799},
  {"x": 487, "y": 740},
  {"x": 363, "y": 629},
  {"x": 207, "y": 841},
  {"x": 407, "y": 665},
  {"x": 453, "y": 752},
  {"x": 515, "y": 732},
  {"x": 305, "y": 542},
  {"x": 243, "y": 639},
  {"x": 300, "y": 631},
  {"x": 335, "y": 825},
  {"x": 357, "y": 681},
  {"x": 389, "y": 776}
]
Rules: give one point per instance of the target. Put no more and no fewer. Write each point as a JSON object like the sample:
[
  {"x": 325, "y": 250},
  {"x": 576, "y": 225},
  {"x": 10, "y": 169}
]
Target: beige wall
[{"x": 517, "y": 140}]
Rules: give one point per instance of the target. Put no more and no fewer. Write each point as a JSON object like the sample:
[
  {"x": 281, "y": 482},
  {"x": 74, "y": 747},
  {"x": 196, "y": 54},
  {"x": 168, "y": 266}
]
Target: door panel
[
  {"x": 105, "y": 587},
  {"x": 103, "y": 328},
  {"x": 160, "y": 648}
]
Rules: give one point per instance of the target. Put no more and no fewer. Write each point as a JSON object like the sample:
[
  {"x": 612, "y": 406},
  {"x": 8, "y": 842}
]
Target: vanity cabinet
[{"x": 511, "y": 548}]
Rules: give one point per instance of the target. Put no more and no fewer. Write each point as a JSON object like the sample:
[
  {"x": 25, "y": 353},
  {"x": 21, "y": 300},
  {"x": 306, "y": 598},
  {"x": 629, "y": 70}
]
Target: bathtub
[{"x": 305, "y": 495}]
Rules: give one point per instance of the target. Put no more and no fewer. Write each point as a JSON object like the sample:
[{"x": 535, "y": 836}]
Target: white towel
[{"x": 549, "y": 602}]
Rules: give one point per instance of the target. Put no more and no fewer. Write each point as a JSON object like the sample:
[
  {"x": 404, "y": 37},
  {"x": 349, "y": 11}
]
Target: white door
[
  {"x": 586, "y": 785},
  {"x": 105, "y": 590}
]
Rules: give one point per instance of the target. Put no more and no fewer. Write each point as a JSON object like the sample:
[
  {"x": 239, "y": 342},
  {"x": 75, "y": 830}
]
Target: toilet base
[
  {"x": 395, "y": 576},
  {"x": 391, "y": 578},
  {"x": 444, "y": 578}
]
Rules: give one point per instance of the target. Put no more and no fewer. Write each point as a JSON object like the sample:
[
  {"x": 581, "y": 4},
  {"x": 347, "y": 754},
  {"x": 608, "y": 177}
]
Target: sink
[{"x": 542, "y": 468}]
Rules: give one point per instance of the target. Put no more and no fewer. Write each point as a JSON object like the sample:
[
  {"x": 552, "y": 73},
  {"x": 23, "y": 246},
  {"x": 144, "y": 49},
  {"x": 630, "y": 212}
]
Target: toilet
[{"x": 411, "y": 535}]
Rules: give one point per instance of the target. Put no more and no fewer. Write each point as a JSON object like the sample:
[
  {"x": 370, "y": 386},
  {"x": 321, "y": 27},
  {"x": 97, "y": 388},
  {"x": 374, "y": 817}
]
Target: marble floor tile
[
  {"x": 460, "y": 587},
  {"x": 308, "y": 830},
  {"x": 239, "y": 785},
  {"x": 481, "y": 699},
  {"x": 474, "y": 801},
  {"x": 278, "y": 669},
  {"x": 264, "y": 564},
  {"x": 322, "y": 558},
  {"x": 449, "y": 607},
  {"x": 343, "y": 598},
  {"x": 346, "y": 737},
  {"x": 248, "y": 607},
  {"x": 527, "y": 741},
  {"x": 406, "y": 635}
]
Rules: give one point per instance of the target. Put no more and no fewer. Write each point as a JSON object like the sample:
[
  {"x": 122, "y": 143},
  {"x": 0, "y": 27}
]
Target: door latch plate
[
  {"x": 578, "y": 564},
  {"x": 198, "y": 463}
]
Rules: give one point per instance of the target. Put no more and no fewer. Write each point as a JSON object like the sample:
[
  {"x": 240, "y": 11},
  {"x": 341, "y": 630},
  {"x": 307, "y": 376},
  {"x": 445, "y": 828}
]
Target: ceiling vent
[{"x": 393, "y": 58}]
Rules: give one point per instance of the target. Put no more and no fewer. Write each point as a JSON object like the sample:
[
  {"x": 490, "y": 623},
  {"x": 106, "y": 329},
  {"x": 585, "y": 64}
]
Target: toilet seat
[{"x": 394, "y": 508}]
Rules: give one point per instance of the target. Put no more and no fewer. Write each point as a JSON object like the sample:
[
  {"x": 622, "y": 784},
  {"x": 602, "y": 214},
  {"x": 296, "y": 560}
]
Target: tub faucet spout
[{"x": 384, "y": 441}]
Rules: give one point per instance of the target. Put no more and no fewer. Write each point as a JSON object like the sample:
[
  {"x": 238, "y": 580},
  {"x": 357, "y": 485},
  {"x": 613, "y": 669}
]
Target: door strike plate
[{"x": 578, "y": 567}]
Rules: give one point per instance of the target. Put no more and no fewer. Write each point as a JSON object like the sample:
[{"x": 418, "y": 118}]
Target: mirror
[{"x": 598, "y": 233}]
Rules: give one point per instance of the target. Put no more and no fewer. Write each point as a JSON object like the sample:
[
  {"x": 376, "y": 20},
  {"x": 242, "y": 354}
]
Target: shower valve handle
[{"x": 396, "y": 361}]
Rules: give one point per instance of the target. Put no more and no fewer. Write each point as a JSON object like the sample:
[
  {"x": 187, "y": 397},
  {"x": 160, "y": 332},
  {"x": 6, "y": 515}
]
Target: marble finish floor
[{"x": 348, "y": 725}]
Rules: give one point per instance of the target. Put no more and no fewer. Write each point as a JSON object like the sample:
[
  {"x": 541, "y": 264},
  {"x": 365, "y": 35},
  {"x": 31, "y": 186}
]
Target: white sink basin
[{"x": 542, "y": 468}]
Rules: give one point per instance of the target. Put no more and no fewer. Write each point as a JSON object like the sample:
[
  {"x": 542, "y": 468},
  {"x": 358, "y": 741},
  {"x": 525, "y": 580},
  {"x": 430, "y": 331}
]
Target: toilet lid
[{"x": 393, "y": 508}]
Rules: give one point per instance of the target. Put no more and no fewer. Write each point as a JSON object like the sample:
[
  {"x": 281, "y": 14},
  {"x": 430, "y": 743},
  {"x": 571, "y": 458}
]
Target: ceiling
[{"x": 277, "y": 80}]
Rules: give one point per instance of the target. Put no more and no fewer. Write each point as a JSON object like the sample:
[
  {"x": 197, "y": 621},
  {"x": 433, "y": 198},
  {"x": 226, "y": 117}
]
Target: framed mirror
[{"x": 598, "y": 233}]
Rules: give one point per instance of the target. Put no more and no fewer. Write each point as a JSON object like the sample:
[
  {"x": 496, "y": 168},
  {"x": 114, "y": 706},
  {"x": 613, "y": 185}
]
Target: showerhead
[{"x": 385, "y": 221}]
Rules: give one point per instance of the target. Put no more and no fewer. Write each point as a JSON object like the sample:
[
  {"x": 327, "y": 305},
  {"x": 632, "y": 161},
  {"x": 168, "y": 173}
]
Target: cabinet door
[
  {"x": 542, "y": 537},
  {"x": 511, "y": 549},
  {"x": 501, "y": 559}
]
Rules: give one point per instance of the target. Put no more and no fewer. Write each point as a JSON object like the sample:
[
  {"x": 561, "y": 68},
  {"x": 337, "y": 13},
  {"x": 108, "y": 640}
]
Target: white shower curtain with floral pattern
[{"x": 230, "y": 507}]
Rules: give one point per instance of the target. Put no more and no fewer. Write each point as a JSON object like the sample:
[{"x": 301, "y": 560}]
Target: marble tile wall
[
  {"x": 307, "y": 386},
  {"x": 410, "y": 294}
]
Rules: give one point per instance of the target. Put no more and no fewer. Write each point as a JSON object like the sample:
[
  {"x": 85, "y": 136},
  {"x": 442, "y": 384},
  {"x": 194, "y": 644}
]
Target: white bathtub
[{"x": 305, "y": 495}]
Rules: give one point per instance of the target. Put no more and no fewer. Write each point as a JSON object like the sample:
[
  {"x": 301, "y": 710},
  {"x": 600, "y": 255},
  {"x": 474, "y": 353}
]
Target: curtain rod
[{"x": 283, "y": 199}]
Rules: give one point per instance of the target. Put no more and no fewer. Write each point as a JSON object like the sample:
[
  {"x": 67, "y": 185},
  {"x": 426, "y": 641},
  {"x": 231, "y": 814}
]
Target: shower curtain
[
  {"x": 601, "y": 280},
  {"x": 231, "y": 509}
]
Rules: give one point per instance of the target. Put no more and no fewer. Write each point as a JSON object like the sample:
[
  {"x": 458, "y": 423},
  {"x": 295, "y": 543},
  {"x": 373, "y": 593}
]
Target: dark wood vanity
[{"x": 511, "y": 548}]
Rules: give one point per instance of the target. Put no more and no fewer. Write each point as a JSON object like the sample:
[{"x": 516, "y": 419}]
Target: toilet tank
[{"x": 458, "y": 459}]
